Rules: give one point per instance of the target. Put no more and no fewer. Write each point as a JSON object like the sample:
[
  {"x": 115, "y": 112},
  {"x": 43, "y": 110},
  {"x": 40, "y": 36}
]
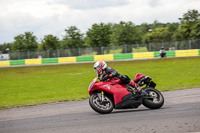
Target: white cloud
[
  {"x": 92, "y": 4},
  {"x": 43, "y": 17}
]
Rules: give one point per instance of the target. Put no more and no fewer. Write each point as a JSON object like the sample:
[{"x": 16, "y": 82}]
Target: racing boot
[
  {"x": 140, "y": 91},
  {"x": 130, "y": 89},
  {"x": 137, "y": 90},
  {"x": 135, "y": 86}
]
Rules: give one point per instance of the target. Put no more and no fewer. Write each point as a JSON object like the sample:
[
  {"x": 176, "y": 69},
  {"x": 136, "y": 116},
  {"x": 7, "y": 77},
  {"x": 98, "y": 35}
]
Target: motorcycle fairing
[
  {"x": 129, "y": 101},
  {"x": 118, "y": 91},
  {"x": 138, "y": 76}
]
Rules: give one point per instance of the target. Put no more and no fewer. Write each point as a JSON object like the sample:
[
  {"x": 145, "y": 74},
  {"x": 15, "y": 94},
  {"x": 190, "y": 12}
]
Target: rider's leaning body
[{"x": 105, "y": 73}]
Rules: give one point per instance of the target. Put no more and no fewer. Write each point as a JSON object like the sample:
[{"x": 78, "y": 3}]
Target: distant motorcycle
[{"x": 106, "y": 96}]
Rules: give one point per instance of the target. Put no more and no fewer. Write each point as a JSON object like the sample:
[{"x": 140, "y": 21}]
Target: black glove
[
  {"x": 130, "y": 88},
  {"x": 104, "y": 78}
]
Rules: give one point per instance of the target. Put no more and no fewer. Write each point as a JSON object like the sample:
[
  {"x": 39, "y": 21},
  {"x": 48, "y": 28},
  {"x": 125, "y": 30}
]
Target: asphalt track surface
[{"x": 180, "y": 114}]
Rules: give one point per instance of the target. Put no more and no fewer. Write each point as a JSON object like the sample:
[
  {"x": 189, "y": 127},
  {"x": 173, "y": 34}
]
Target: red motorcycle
[{"x": 105, "y": 96}]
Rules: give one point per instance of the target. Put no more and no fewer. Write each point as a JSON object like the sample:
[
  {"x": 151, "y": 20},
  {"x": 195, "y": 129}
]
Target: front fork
[{"x": 101, "y": 96}]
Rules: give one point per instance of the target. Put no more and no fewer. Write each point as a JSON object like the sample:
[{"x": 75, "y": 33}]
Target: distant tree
[
  {"x": 157, "y": 35},
  {"x": 195, "y": 31},
  {"x": 125, "y": 33},
  {"x": 164, "y": 34},
  {"x": 50, "y": 42},
  {"x": 190, "y": 17},
  {"x": 24, "y": 42},
  {"x": 98, "y": 36},
  {"x": 157, "y": 24},
  {"x": 187, "y": 23},
  {"x": 5, "y": 47},
  {"x": 172, "y": 27},
  {"x": 73, "y": 40},
  {"x": 144, "y": 27}
]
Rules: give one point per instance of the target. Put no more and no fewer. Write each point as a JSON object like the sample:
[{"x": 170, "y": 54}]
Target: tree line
[{"x": 111, "y": 34}]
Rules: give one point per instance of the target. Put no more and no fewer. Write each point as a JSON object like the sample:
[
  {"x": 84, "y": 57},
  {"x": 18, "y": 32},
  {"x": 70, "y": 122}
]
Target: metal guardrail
[
  {"x": 132, "y": 48},
  {"x": 106, "y": 57}
]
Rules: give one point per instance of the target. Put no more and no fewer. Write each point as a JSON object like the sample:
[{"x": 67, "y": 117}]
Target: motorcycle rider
[
  {"x": 105, "y": 73},
  {"x": 162, "y": 52}
]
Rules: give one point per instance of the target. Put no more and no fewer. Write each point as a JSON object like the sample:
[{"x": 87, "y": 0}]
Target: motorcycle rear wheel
[
  {"x": 101, "y": 107},
  {"x": 157, "y": 100}
]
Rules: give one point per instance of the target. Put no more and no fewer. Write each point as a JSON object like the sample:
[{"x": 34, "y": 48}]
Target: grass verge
[{"x": 20, "y": 86}]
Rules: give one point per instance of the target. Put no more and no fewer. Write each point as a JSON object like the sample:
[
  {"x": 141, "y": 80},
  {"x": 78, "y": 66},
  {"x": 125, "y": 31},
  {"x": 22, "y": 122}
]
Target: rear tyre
[
  {"x": 156, "y": 101},
  {"x": 101, "y": 107}
]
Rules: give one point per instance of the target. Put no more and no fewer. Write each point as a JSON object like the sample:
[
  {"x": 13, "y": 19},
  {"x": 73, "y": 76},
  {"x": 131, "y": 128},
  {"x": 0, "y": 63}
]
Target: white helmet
[{"x": 100, "y": 66}]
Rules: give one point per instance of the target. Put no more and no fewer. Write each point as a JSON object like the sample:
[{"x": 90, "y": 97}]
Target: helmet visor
[
  {"x": 96, "y": 71},
  {"x": 99, "y": 72}
]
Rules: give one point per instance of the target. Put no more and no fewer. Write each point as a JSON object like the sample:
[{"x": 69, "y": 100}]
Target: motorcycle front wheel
[
  {"x": 101, "y": 107},
  {"x": 156, "y": 101}
]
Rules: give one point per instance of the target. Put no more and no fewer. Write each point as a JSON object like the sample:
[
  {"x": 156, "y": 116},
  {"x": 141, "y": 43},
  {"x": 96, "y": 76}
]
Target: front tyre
[
  {"x": 101, "y": 107},
  {"x": 156, "y": 101}
]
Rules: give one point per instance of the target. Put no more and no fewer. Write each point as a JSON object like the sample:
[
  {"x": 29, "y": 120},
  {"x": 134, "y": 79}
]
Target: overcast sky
[{"x": 43, "y": 17}]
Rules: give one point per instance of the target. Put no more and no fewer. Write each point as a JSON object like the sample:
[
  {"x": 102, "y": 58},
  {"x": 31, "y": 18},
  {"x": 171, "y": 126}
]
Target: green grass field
[{"x": 32, "y": 85}]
